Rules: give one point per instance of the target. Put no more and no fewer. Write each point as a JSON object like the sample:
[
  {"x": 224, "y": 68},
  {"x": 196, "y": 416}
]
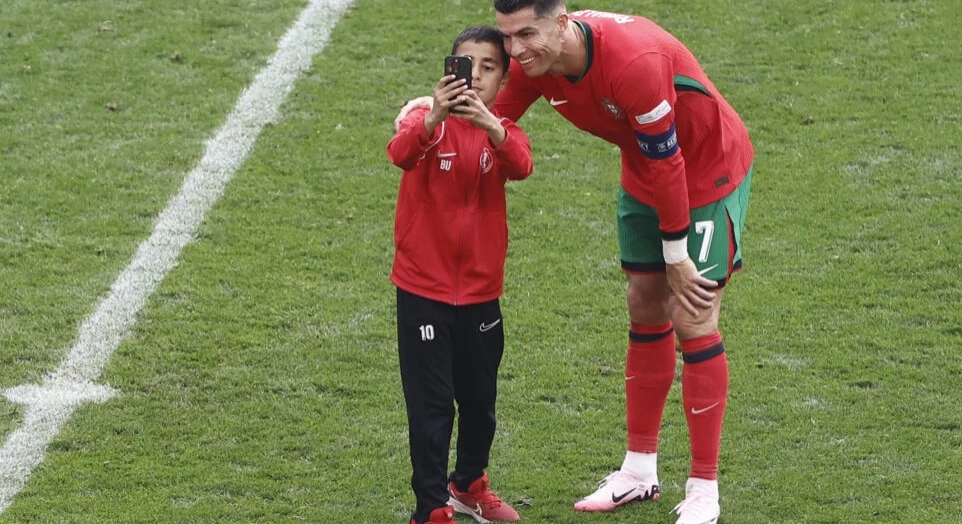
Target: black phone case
[{"x": 460, "y": 67}]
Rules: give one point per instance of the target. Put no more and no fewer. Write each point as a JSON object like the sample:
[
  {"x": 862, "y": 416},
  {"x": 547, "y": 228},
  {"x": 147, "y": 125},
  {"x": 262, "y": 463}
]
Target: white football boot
[
  {"x": 618, "y": 489},
  {"x": 701, "y": 503}
]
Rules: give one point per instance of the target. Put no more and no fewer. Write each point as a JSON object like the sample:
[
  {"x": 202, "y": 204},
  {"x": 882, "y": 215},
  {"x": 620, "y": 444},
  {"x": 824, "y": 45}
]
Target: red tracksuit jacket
[{"x": 451, "y": 228}]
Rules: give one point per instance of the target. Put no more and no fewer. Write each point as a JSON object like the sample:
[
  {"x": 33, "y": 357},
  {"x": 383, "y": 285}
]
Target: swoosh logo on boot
[{"x": 619, "y": 498}]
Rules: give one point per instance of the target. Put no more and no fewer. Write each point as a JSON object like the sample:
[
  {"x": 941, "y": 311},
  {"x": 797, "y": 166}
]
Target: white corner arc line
[{"x": 50, "y": 405}]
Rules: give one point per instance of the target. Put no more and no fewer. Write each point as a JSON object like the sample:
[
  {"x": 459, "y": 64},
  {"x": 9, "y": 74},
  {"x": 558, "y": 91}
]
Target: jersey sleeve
[
  {"x": 645, "y": 88},
  {"x": 514, "y": 154},
  {"x": 407, "y": 147},
  {"x": 517, "y": 96}
]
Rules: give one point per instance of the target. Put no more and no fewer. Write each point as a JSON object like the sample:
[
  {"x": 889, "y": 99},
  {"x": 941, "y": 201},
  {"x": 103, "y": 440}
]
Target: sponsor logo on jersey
[{"x": 660, "y": 111}]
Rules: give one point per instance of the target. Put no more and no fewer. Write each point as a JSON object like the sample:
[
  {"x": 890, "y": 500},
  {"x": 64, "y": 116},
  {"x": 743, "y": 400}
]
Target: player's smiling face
[
  {"x": 488, "y": 73},
  {"x": 533, "y": 42}
]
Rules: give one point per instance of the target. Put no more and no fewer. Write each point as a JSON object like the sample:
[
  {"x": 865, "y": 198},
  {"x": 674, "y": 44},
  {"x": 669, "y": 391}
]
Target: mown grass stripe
[{"x": 49, "y": 406}]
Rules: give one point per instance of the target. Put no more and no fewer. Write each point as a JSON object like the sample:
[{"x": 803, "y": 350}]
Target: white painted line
[{"x": 50, "y": 405}]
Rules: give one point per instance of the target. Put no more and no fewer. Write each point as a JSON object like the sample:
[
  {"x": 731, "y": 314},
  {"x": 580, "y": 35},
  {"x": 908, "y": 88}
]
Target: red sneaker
[
  {"x": 443, "y": 515},
  {"x": 482, "y": 504}
]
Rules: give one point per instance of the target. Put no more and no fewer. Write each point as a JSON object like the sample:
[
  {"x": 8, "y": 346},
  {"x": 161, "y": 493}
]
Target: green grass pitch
[{"x": 259, "y": 382}]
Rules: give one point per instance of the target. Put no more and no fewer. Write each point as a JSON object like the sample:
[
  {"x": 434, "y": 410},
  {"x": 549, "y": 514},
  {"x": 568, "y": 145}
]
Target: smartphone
[{"x": 460, "y": 67}]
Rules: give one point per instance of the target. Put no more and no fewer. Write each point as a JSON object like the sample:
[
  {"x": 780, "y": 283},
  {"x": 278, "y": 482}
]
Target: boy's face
[{"x": 487, "y": 70}]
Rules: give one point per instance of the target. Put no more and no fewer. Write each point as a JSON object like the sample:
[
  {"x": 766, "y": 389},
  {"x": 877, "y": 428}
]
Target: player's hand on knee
[{"x": 692, "y": 290}]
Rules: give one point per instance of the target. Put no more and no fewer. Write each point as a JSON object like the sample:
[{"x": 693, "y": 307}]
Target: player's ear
[
  {"x": 562, "y": 22},
  {"x": 504, "y": 80}
]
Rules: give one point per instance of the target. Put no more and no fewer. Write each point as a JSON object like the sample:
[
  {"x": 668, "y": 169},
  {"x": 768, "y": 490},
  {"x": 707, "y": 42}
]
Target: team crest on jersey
[
  {"x": 487, "y": 161},
  {"x": 612, "y": 109}
]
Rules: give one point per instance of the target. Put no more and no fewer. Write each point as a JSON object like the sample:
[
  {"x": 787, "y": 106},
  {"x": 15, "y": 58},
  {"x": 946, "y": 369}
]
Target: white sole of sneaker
[{"x": 464, "y": 510}]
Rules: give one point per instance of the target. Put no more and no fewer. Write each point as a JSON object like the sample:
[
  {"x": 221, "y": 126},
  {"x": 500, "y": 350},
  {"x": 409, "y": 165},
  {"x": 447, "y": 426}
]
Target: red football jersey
[
  {"x": 450, "y": 229},
  {"x": 682, "y": 145}
]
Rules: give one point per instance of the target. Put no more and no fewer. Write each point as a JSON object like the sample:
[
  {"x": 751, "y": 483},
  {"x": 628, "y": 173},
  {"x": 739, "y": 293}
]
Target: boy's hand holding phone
[
  {"x": 453, "y": 96},
  {"x": 461, "y": 67},
  {"x": 471, "y": 107},
  {"x": 455, "y": 82}
]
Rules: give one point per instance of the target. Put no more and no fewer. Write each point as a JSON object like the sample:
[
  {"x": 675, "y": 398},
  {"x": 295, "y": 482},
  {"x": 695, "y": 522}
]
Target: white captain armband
[{"x": 675, "y": 251}]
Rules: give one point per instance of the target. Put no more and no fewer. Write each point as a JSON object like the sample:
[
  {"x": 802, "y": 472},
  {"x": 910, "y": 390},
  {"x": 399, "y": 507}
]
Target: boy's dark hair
[
  {"x": 487, "y": 34},
  {"x": 541, "y": 7}
]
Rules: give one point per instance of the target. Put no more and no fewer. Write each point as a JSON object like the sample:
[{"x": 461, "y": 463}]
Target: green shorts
[{"x": 714, "y": 237}]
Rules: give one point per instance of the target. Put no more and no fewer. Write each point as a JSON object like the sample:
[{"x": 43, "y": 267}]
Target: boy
[{"x": 451, "y": 238}]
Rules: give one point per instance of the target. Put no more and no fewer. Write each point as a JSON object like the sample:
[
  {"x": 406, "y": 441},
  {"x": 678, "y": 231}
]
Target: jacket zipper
[{"x": 474, "y": 182}]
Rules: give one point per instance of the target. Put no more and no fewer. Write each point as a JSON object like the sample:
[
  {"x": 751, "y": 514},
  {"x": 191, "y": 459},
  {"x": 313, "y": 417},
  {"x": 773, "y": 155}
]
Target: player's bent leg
[
  {"x": 649, "y": 366},
  {"x": 648, "y": 297},
  {"x": 704, "y": 397},
  {"x": 705, "y": 371},
  {"x": 649, "y": 372}
]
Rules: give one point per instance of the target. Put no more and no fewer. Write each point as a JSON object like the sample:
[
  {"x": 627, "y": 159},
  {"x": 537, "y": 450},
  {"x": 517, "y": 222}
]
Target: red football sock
[
  {"x": 649, "y": 372},
  {"x": 704, "y": 390}
]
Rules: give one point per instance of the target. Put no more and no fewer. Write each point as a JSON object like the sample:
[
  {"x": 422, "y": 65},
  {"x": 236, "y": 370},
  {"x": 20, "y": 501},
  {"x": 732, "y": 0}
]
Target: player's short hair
[
  {"x": 486, "y": 34},
  {"x": 542, "y": 8}
]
